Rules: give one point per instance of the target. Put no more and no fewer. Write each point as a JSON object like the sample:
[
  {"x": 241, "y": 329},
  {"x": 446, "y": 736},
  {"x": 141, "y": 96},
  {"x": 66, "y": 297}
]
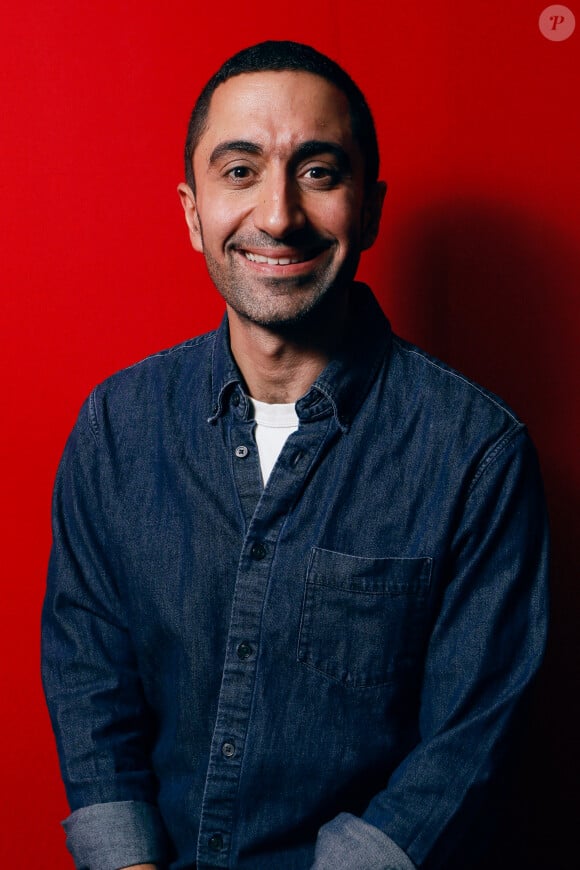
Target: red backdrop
[{"x": 478, "y": 261}]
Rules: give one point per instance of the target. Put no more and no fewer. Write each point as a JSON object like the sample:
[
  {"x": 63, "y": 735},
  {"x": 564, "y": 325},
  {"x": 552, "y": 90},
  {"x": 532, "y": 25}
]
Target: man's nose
[{"x": 279, "y": 210}]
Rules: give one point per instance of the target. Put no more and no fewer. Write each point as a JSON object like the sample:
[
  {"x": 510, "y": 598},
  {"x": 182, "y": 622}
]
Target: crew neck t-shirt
[{"x": 274, "y": 423}]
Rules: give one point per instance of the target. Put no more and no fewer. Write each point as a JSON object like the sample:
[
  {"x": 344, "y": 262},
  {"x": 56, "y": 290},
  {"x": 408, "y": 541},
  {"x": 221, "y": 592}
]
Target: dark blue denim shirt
[{"x": 320, "y": 673}]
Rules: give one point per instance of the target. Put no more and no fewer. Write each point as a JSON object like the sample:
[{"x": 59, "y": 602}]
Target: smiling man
[
  {"x": 297, "y": 593},
  {"x": 280, "y": 209}
]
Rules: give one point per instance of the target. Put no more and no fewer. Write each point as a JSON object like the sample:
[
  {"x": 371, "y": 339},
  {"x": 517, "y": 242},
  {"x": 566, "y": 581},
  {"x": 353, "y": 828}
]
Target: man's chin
[
  {"x": 277, "y": 321},
  {"x": 298, "y": 317}
]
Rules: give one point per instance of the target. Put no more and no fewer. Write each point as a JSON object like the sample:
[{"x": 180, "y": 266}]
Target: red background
[{"x": 478, "y": 261}]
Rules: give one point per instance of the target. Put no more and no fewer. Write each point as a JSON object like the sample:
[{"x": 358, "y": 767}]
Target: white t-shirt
[{"x": 274, "y": 423}]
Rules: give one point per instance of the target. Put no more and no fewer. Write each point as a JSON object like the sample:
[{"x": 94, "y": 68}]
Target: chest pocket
[{"x": 364, "y": 620}]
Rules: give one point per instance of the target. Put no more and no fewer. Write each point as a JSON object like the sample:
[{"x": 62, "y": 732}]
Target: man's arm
[
  {"x": 486, "y": 647},
  {"x": 101, "y": 720}
]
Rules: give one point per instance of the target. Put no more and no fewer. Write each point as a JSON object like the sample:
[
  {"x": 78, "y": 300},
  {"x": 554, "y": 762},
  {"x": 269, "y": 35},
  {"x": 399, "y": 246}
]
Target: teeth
[{"x": 271, "y": 261}]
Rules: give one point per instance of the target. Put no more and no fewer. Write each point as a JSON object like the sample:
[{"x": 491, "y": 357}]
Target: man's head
[
  {"x": 285, "y": 196},
  {"x": 274, "y": 56}
]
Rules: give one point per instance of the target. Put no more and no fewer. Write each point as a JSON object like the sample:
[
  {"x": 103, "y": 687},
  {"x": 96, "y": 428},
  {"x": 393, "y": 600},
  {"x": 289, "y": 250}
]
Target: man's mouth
[
  {"x": 289, "y": 260},
  {"x": 276, "y": 261}
]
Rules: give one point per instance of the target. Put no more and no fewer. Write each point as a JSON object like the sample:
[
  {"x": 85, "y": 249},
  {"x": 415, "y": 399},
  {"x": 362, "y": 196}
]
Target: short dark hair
[{"x": 281, "y": 56}]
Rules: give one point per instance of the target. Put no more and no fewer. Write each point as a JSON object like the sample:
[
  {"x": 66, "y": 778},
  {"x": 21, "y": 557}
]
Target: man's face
[{"x": 280, "y": 211}]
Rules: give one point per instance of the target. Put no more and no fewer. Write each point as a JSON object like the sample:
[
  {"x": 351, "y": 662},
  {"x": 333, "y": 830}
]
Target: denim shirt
[{"x": 320, "y": 673}]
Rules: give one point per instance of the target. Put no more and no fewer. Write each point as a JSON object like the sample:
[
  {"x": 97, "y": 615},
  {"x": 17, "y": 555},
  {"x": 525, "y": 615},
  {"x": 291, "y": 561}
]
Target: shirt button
[
  {"x": 258, "y": 551},
  {"x": 244, "y": 650},
  {"x": 236, "y": 400},
  {"x": 216, "y": 842},
  {"x": 241, "y": 451},
  {"x": 228, "y": 750}
]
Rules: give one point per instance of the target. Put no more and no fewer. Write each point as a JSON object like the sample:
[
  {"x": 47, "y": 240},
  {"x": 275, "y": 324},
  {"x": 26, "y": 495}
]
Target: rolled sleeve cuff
[
  {"x": 352, "y": 844},
  {"x": 114, "y": 835}
]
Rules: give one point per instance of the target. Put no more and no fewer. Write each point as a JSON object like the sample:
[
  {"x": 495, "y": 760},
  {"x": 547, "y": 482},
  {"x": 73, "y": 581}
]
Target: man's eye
[
  {"x": 322, "y": 173},
  {"x": 239, "y": 172}
]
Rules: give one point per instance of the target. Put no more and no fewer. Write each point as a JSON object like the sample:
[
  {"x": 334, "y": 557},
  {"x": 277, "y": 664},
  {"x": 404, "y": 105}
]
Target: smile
[{"x": 274, "y": 261}]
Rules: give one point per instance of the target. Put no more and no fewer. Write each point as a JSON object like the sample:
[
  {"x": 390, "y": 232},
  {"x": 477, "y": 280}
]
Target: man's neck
[{"x": 280, "y": 366}]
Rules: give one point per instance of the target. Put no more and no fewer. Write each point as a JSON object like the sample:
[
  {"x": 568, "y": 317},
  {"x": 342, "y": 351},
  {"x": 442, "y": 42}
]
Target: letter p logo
[{"x": 557, "y": 23}]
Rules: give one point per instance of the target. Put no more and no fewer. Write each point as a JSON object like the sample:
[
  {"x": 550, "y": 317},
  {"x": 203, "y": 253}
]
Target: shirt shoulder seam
[
  {"x": 190, "y": 344},
  {"x": 492, "y": 454},
  {"x": 430, "y": 361}
]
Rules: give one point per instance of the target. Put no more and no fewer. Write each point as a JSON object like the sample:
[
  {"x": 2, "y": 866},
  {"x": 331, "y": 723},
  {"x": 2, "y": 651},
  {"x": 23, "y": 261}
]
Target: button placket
[
  {"x": 224, "y": 770},
  {"x": 245, "y": 467},
  {"x": 263, "y": 521}
]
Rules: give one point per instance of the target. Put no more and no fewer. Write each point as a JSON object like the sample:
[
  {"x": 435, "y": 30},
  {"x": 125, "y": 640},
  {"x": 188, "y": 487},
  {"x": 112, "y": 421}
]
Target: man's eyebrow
[
  {"x": 310, "y": 148},
  {"x": 233, "y": 146},
  {"x": 316, "y": 147}
]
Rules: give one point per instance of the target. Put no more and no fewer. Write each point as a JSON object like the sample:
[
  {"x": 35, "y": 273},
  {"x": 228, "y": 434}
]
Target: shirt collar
[{"x": 341, "y": 387}]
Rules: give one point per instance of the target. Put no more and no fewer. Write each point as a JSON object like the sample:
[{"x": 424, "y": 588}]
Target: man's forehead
[
  {"x": 284, "y": 98},
  {"x": 280, "y": 80}
]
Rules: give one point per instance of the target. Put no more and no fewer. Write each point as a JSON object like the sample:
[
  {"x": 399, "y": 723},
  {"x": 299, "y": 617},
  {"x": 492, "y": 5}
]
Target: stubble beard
[
  {"x": 270, "y": 302},
  {"x": 280, "y": 304}
]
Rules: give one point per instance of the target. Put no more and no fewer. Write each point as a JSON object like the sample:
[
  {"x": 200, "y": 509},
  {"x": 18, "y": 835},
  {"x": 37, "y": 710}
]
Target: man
[{"x": 298, "y": 584}]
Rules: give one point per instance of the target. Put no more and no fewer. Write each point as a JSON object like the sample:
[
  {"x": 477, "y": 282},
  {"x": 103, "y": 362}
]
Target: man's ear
[
  {"x": 187, "y": 198},
  {"x": 372, "y": 210}
]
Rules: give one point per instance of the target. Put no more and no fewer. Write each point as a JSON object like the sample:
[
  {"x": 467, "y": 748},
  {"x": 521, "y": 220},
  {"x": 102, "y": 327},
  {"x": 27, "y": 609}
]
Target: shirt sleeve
[
  {"x": 485, "y": 648},
  {"x": 352, "y": 844},
  {"x": 113, "y": 835},
  {"x": 103, "y": 725}
]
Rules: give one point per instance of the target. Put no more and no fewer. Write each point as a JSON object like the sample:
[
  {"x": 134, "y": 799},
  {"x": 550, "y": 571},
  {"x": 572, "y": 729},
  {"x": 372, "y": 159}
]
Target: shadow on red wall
[{"x": 490, "y": 291}]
